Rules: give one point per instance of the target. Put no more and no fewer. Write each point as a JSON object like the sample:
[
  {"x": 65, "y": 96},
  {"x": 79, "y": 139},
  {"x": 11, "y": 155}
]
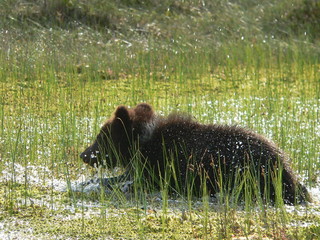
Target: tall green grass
[{"x": 49, "y": 120}]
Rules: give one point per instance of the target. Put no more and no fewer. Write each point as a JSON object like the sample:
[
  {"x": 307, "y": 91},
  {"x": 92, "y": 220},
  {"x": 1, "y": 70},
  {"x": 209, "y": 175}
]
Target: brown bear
[{"x": 195, "y": 158}]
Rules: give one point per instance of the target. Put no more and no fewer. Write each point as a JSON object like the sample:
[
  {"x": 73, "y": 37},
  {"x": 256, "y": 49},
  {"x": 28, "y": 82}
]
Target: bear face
[
  {"x": 214, "y": 157},
  {"x": 118, "y": 134}
]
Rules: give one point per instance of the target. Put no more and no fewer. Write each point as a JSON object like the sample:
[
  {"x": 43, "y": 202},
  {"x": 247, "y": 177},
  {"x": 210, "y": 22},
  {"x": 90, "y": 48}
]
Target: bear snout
[
  {"x": 85, "y": 156},
  {"x": 82, "y": 155},
  {"x": 89, "y": 157}
]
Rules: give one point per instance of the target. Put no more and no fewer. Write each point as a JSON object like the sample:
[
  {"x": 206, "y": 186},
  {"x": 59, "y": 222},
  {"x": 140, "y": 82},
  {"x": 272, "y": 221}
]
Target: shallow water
[
  {"x": 84, "y": 183},
  {"x": 87, "y": 184}
]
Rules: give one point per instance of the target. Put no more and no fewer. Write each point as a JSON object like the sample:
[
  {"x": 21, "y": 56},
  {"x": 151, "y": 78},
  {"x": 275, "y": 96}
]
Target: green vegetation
[{"x": 66, "y": 64}]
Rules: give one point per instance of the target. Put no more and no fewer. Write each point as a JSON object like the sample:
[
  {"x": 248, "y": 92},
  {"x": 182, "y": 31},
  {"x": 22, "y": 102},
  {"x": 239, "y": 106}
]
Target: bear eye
[{"x": 99, "y": 138}]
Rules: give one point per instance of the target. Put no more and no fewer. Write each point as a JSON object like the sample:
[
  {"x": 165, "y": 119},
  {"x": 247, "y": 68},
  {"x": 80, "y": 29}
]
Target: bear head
[{"x": 119, "y": 136}]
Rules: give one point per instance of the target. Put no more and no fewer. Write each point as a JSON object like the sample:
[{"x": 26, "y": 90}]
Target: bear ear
[
  {"x": 121, "y": 129},
  {"x": 122, "y": 118},
  {"x": 122, "y": 113},
  {"x": 143, "y": 112}
]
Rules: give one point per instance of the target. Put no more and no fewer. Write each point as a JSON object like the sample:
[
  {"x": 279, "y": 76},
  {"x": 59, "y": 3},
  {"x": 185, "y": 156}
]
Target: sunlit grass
[{"x": 49, "y": 120}]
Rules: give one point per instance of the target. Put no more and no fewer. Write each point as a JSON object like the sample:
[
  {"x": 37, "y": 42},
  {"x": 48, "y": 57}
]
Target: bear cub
[{"x": 193, "y": 157}]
